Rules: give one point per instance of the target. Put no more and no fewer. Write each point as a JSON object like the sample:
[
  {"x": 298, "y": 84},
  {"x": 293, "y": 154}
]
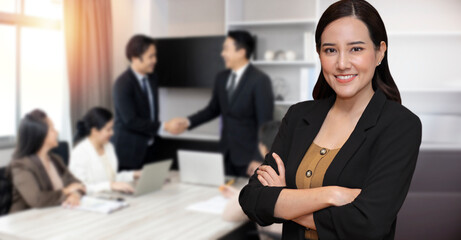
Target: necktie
[
  {"x": 149, "y": 98},
  {"x": 144, "y": 86},
  {"x": 231, "y": 89}
]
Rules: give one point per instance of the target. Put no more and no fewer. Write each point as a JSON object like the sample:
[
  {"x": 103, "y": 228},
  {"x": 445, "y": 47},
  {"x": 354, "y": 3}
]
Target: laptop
[
  {"x": 153, "y": 176},
  {"x": 202, "y": 168}
]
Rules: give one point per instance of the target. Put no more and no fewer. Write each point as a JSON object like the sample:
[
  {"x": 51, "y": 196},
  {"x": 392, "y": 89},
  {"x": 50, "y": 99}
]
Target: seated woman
[
  {"x": 93, "y": 159},
  {"x": 40, "y": 178}
]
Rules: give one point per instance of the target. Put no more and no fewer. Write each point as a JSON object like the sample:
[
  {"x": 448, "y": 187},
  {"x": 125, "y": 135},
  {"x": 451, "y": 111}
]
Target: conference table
[{"x": 158, "y": 215}]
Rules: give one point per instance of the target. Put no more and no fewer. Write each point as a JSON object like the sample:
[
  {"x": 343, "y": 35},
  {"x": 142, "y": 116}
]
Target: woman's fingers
[
  {"x": 128, "y": 189},
  {"x": 266, "y": 176},
  {"x": 280, "y": 164},
  {"x": 273, "y": 174},
  {"x": 262, "y": 180}
]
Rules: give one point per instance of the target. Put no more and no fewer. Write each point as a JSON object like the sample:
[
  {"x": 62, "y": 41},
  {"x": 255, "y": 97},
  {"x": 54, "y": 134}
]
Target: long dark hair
[
  {"x": 96, "y": 117},
  {"x": 363, "y": 11},
  {"x": 32, "y": 133}
]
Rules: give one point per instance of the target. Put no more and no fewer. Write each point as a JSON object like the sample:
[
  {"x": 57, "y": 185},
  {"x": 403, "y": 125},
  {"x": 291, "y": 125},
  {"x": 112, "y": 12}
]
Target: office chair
[
  {"x": 6, "y": 192},
  {"x": 62, "y": 150}
]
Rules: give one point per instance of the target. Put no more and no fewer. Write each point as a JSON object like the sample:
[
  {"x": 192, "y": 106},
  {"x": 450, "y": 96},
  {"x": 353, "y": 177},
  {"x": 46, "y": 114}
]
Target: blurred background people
[
  {"x": 40, "y": 179},
  {"x": 93, "y": 160},
  {"x": 243, "y": 97}
]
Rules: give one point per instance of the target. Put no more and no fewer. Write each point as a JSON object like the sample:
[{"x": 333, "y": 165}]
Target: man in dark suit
[
  {"x": 243, "y": 96},
  {"x": 135, "y": 94}
]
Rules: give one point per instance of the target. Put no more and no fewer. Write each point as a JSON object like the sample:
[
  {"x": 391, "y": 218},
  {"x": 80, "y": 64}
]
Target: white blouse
[{"x": 95, "y": 171}]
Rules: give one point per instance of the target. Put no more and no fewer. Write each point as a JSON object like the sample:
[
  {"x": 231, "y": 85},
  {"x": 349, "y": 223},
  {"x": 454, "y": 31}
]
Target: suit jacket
[
  {"x": 32, "y": 188},
  {"x": 379, "y": 157},
  {"x": 252, "y": 104},
  {"x": 133, "y": 127}
]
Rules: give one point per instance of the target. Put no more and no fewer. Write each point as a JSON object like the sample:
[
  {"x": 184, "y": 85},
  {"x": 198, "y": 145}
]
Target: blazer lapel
[
  {"x": 137, "y": 86},
  {"x": 305, "y": 133},
  {"x": 43, "y": 176},
  {"x": 241, "y": 84},
  {"x": 367, "y": 120},
  {"x": 222, "y": 90}
]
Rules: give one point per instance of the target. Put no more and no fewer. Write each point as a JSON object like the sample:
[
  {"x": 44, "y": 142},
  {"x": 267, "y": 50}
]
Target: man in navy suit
[
  {"x": 135, "y": 93},
  {"x": 243, "y": 96}
]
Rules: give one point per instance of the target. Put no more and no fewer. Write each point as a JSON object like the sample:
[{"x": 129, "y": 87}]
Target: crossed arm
[{"x": 299, "y": 205}]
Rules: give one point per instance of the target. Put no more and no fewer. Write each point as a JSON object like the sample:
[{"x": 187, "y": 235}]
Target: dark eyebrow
[
  {"x": 351, "y": 43},
  {"x": 328, "y": 44},
  {"x": 356, "y": 42}
]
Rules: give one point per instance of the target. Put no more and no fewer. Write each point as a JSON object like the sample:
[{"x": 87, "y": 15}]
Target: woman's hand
[
  {"x": 343, "y": 196},
  {"x": 306, "y": 221},
  {"x": 228, "y": 191},
  {"x": 121, "y": 187},
  {"x": 267, "y": 175},
  {"x": 74, "y": 187},
  {"x": 72, "y": 200},
  {"x": 137, "y": 174}
]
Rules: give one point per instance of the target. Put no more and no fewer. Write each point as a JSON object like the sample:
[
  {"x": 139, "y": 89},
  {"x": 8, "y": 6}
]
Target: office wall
[{"x": 195, "y": 18}]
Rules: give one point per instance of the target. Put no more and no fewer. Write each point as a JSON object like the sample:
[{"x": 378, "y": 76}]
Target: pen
[{"x": 230, "y": 182}]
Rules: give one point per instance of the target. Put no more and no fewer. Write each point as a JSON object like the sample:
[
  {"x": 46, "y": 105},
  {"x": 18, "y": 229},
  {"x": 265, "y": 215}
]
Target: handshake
[{"x": 177, "y": 125}]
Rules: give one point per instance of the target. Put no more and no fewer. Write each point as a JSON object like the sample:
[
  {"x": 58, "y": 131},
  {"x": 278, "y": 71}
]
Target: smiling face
[
  {"x": 146, "y": 63},
  {"x": 349, "y": 57},
  {"x": 103, "y": 135}
]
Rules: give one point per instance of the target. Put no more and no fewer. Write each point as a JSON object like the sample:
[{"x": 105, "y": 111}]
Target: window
[
  {"x": 8, "y": 80},
  {"x": 43, "y": 8},
  {"x": 42, "y": 72},
  {"x": 32, "y": 60},
  {"x": 8, "y": 6}
]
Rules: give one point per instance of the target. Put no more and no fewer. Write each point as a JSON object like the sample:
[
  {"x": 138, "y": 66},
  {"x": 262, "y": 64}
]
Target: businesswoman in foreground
[
  {"x": 40, "y": 178},
  {"x": 341, "y": 165}
]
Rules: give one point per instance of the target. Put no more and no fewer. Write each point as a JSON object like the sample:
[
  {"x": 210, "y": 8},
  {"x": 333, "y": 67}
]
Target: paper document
[
  {"x": 213, "y": 205},
  {"x": 94, "y": 204}
]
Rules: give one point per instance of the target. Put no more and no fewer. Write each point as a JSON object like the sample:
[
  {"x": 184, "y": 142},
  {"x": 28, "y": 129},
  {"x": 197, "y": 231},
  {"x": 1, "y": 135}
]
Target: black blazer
[
  {"x": 379, "y": 157},
  {"x": 251, "y": 105},
  {"x": 132, "y": 126}
]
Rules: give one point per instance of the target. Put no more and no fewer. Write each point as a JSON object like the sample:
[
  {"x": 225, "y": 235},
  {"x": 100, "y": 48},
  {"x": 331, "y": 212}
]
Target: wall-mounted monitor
[{"x": 189, "y": 62}]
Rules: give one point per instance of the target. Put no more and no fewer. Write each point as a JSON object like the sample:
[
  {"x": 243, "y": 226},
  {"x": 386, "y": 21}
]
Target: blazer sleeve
[
  {"x": 124, "y": 102},
  {"x": 25, "y": 181},
  {"x": 212, "y": 110},
  {"x": 372, "y": 213},
  {"x": 258, "y": 201}
]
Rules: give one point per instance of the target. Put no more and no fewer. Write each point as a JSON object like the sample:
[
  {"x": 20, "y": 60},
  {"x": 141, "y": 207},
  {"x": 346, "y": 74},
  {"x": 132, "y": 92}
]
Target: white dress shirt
[
  {"x": 96, "y": 171},
  {"x": 238, "y": 77}
]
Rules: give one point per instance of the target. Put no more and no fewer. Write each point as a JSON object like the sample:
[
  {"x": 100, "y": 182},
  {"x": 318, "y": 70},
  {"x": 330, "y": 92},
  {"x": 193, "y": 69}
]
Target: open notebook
[{"x": 99, "y": 205}]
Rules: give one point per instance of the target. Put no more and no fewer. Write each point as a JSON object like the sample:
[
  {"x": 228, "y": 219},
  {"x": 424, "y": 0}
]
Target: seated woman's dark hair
[
  {"x": 96, "y": 117},
  {"x": 363, "y": 11},
  {"x": 31, "y": 135}
]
